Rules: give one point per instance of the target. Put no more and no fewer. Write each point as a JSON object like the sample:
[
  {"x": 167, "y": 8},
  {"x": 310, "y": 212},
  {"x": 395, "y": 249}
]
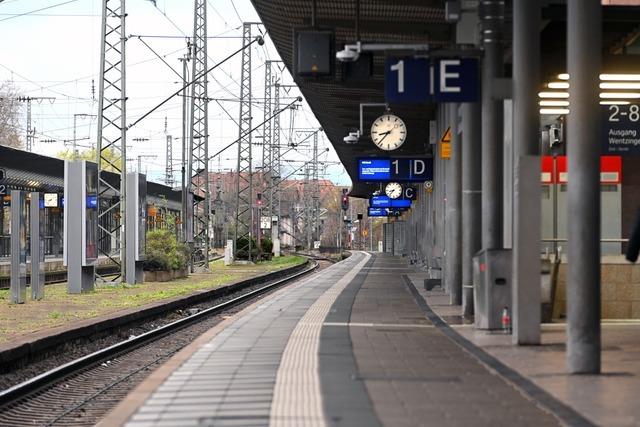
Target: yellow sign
[
  {"x": 365, "y": 232},
  {"x": 447, "y": 136},
  {"x": 445, "y": 145}
]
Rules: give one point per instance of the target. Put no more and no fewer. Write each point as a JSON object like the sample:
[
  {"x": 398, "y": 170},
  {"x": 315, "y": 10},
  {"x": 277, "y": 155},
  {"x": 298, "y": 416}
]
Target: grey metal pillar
[
  {"x": 18, "y": 248},
  {"x": 136, "y": 226},
  {"x": 471, "y": 199},
  {"x": 453, "y": 262},
  {"x": 584, "y": 38},
  {"x": 526, "y": 196},
  {"x": 36, "y": 231},
  {"x": 492, "y": 16}
]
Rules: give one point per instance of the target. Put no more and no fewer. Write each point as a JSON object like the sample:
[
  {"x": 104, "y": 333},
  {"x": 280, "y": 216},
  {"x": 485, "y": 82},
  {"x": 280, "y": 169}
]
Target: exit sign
[{"x": 411, "y": 80}]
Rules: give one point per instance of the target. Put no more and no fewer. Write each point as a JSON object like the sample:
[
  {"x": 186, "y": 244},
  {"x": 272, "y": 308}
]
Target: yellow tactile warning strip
[{"x": 297, "y": 398}]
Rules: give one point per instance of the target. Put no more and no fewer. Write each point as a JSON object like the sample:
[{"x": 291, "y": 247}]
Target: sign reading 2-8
[
  {"x": 624, "y": 112},
  {"x": 621, "y": 129}
]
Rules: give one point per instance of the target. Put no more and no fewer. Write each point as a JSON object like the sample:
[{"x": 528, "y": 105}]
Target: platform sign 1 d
[{"x": 395, "y": 169}]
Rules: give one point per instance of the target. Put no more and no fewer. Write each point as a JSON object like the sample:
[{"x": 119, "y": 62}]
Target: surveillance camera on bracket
[
  {"x": 352, "y": 138},
  {"x": 350, "y": 53}
]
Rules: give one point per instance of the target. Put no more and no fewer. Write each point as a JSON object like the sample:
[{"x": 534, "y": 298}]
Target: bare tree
[{"x": 10, "y": 116}]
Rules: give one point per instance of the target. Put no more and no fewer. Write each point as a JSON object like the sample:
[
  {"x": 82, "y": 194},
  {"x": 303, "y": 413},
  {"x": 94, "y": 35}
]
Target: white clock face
[
  {"x": 388, "y": 132},
  {"x": 393, "y": 190}
]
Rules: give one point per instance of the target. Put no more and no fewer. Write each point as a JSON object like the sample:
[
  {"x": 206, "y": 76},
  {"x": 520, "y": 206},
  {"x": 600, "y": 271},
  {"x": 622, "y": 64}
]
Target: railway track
[{"x": 82, "y": 391}]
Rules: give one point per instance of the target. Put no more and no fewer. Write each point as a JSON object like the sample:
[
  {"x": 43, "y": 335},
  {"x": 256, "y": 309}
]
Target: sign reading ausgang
[
  {"x": 418, "y": 80},
  {"x": 395, "y": 169},
  {"x": 621, "y": 129}
]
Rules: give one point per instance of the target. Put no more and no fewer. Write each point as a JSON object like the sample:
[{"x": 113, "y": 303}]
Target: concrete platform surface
[
  {"x": 348, "y": 346},
  {"x": 609, "y": 399}
]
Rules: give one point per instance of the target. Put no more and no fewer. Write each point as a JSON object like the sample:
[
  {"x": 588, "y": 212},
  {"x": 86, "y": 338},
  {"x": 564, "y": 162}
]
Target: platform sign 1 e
[
  {"x": 411, "y": 80},
  {"x": 621, "y": 130},
  {"x": 395, "y": 169}
]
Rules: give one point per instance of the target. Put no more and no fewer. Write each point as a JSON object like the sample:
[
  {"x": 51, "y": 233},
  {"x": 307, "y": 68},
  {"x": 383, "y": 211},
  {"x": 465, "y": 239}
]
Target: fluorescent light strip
[
  {"x": 563, "y": 76},
  {"x": 615, "y": 102},
  {"x": 558, "y": 85},
  {"x": 553, "y": 103},
  {"x": 554, "y": 111},
  {"x": 553, "y": 94},
  {"x": 619, "y": 85},
  {"x": 620, "y": 95},
  {"x": 621, "y": 77}
]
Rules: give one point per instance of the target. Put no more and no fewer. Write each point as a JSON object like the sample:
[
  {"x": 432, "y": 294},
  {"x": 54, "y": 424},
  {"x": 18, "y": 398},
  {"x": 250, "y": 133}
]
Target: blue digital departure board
[
  {"x": 377, "y": 212},
  {"x": 374, "y": 169},
  {"x": 395, "y": 169},
  {"x": 400, "y": 203},
  {"x": 380, "y": 202}
]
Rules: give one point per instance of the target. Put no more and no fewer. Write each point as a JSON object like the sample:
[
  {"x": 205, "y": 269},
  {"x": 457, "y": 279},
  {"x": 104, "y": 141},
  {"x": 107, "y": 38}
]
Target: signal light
[{"x": 259, "y": 199}]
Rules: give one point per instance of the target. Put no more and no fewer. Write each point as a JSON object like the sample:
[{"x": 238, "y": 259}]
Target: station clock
[
  {"x": 393, "y": 190},
  {"x": 388, "y": 132}
]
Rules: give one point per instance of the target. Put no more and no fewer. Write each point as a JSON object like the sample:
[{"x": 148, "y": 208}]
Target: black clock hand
[{"x": 385, "y": 135}]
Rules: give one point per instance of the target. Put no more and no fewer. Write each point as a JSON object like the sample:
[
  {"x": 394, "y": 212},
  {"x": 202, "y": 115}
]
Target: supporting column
[
  {"x": 492, "y": 16},
  {"x": 526, "y": 197},
  {"x": 18, "y": 248},
  {"x": 584, "y": 41},
  {"x": 471, "y": 199},
  {"x": 37, "y": 247},
  {"x": 453, "y": 262}
]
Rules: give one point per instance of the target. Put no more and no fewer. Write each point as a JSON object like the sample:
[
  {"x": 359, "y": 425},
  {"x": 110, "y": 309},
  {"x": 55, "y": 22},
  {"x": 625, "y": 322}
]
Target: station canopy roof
[{"x": 335, "y": 100}]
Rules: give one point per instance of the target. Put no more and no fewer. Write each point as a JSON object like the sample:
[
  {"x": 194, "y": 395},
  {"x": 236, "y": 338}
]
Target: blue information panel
[
  {"x": 400, "y": 203},
  {"x": 417, "y": 80},
  {"x": 380, "y": 202},
  {"x": 378, "y": 212},
  {"x": 395, "y": 169},
  {"x": 374, "y": 169}
]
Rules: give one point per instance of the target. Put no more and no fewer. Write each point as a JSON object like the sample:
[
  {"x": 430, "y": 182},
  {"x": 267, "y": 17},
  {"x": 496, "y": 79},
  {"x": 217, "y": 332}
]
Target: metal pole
[
  {"x": 584, "y": 41},
  {"x": 492, "y": 16},
  {"x": 471, "y": 199},
  {"x": 75, "y": 148},
  {"x": 183, "y": 210},
  {"x": 526, "y": 198},
  {"x": 453, "y": 214},
  {"x": 37, "y": 247}
]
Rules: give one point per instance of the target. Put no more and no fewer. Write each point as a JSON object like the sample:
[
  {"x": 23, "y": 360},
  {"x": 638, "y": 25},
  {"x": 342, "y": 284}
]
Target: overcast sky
[{"x": 51, "y": 48}]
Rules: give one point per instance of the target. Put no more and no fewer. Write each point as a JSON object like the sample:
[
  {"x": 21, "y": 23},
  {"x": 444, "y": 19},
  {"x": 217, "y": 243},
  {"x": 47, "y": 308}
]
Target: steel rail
[{"x": 54, "y": 375}]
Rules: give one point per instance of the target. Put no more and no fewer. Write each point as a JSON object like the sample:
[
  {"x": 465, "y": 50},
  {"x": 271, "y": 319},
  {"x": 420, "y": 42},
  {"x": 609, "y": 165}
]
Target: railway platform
[{"x": 353, "y": 345}]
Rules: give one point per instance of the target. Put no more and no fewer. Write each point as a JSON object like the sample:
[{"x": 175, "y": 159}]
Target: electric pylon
[
  {"x": 198, "y": 141},
  {"x": 111, "y": 149},
  {"x": 244, "y": 198}
]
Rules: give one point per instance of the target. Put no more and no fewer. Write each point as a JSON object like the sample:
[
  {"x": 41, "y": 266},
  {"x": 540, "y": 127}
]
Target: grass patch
[{"x": 60, "y": 308}]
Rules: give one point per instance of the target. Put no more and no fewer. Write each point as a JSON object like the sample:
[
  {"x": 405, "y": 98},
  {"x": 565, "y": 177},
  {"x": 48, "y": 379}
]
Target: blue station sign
[
  {"x": 386, "y": 202},
  {"x": 411, "y": 80},
  {"x": 377, "y": 212},
  {"x": 395, "y": 169}
]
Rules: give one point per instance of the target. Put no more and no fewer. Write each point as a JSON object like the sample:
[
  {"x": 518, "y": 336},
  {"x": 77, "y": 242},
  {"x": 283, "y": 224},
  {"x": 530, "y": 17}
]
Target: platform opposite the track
[{"x": 347, "y": 346}]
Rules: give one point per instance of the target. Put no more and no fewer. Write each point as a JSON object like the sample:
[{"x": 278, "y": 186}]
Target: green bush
[
  {"x": 266, "y": 245},
  {"x": 164, "y": 252},
  {"x": 242, "y": 246}
]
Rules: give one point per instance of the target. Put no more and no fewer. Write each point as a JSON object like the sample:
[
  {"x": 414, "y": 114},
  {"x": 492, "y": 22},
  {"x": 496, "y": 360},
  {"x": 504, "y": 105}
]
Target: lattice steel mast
[
  {"x": 275, "y": 155},
  {"x": 198, "y": 140},
  {"x": 168, "y": 169},
  {"x": 244, "y": 212},
  {"x": 111, "y": 149},
  {"x": 267, "y": 140},
  {"x": 315, "y": 188}
]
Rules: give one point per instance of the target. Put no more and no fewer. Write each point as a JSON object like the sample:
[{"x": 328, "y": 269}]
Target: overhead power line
[{"x": 38, "y": 10}]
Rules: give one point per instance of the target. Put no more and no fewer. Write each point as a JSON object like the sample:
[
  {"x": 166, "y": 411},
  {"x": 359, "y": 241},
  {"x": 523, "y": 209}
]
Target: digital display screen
[
  {"x": 92, "y": 202},
  {"x": 380, "y": 202},
  {"x": 400, "y": 203},
  {"x": 374, "y": 169},
  {"x": 377, "y": 212}
]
